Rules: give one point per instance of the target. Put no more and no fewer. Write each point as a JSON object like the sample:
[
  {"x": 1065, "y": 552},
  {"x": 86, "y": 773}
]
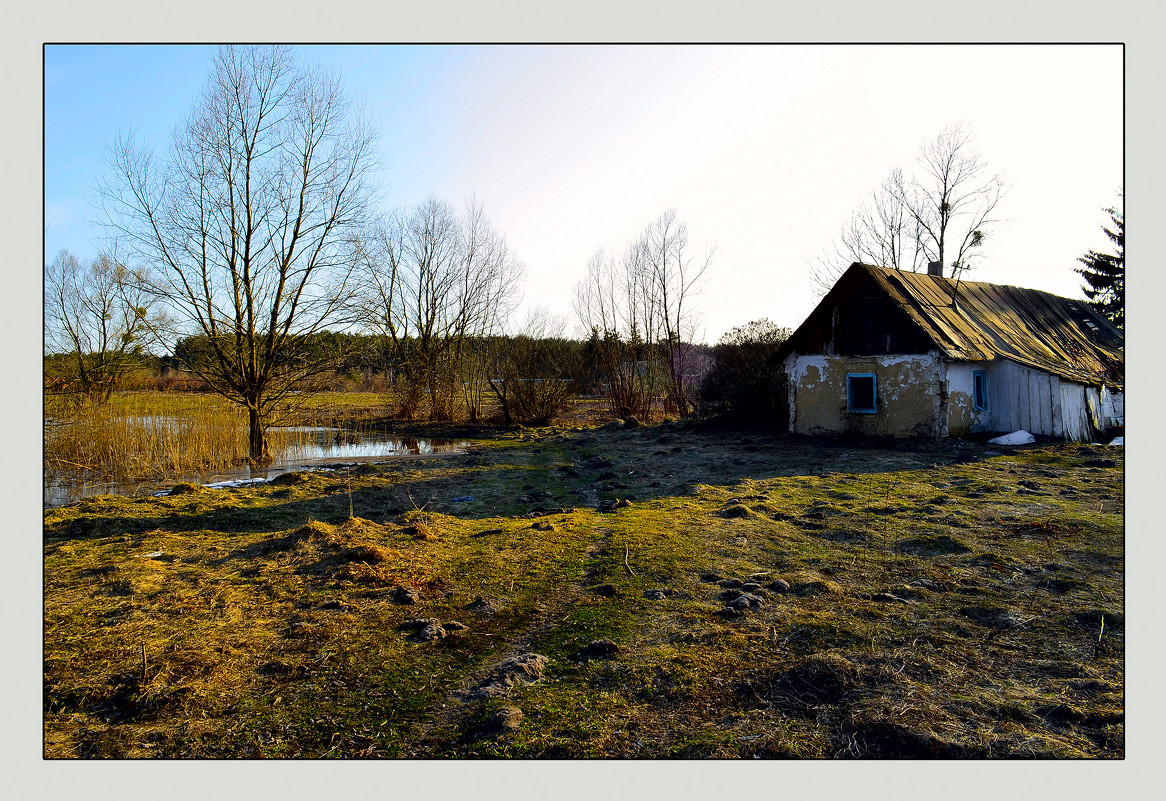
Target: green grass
[{"x": 269, "y": 628}]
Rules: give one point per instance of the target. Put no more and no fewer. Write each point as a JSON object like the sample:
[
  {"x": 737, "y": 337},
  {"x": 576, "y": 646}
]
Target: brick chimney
[{"x": 935, "y": 268}]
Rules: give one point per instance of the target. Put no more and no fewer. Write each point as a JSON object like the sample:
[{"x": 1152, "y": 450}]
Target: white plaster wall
[{"x": 961, "y": 413}]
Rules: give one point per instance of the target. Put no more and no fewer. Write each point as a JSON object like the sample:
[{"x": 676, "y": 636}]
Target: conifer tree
[{"x": 1104, "y": 273}]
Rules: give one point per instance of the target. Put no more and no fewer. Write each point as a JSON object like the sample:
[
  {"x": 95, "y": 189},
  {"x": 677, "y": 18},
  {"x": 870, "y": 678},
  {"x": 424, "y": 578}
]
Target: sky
[{"x": 762, "y": 150}]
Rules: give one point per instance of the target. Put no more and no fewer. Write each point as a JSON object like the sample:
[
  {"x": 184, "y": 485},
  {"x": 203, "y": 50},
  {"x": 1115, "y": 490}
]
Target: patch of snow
[
  {"x": 1119, "y": 441},
  {"x": 1020, "y": 437},
  {"x": 239, "y": 482}
]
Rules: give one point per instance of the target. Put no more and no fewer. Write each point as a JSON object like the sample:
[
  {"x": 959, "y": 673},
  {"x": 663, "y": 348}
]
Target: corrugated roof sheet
[{"x": 979, "y": 321}]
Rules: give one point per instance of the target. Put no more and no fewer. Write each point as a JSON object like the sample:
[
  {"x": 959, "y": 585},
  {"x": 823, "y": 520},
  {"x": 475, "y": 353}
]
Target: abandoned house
[{"x": 890, "y": 353}]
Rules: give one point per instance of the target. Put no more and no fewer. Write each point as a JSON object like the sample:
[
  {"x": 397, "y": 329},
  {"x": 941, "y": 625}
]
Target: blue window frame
[
  {"x": 861, "y": 393},
  {"x": 979, "y": 390}
]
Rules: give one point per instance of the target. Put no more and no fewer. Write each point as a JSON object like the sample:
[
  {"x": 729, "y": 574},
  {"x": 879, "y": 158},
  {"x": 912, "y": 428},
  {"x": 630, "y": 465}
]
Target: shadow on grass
[{"x": 562, "y": 470}]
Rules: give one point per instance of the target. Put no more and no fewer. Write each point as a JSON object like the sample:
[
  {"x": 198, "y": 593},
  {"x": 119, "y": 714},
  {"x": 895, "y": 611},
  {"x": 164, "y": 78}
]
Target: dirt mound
[
  {"x": 521, "y": 669},
  {"x": 352, "y": 550},
  {"x": 291, "y": 479},
  {"x": 994, "y": 617}
]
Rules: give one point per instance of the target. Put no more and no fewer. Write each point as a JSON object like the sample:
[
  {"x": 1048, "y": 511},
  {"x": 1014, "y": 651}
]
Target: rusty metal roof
[{"x": 976, "y": 321}]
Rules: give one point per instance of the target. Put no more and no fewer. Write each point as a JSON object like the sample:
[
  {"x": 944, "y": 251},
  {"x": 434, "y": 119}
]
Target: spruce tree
[{"x": 1105, "y": 273}]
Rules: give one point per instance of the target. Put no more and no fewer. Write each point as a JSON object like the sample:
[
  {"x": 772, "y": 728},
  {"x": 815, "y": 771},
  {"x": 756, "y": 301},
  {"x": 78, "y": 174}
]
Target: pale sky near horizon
[{"x": 763, "y": 150}]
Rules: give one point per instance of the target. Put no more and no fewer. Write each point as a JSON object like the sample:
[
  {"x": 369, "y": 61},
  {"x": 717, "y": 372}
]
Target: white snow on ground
[
  {"x": 238, "y": 482},
  {"x": 1020, "y": 437},
  {"x": 1118, "y": 441}
]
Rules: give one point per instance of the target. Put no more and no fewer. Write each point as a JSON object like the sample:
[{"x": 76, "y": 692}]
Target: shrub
[{"x": 747, "y": 383}]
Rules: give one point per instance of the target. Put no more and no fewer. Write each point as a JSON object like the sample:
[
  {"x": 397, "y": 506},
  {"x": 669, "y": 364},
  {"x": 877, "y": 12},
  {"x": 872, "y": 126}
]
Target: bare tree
[
  {"x": 252, "y": 219},
  {"x": 640, "y": 313},
  {"x": 882, "y": 231},
  {"x": 436, "y": 284},
  {"x": 674, "y": 276},
  {"x": 100, "y": 315},
  {"x": 952, "y": 200},
  {"x": 611, "y": 306},
  {"x": 941, "y": 214}
]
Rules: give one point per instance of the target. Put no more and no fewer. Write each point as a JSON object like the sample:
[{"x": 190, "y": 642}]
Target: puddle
[{"x": 323, "y": 449}]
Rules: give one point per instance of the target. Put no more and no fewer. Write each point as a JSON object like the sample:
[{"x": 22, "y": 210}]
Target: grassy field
[{"x": 747, "y": 596}]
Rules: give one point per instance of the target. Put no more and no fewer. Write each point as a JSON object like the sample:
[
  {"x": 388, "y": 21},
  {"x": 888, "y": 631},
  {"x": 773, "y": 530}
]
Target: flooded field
[{"x": 312, "y": 447}]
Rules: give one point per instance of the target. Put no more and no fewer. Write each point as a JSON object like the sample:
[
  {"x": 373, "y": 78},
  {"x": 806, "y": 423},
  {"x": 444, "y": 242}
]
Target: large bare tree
[
  {"x": 99, "y": 314},
  {"x": 437, "y": 283},
  {"x": 942, "y": 213},
  {"x": 251, "y": 218}
]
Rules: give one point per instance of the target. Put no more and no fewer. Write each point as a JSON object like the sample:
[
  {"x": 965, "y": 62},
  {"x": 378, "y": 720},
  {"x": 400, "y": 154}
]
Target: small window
[
  {"x": 861, "y": 393},
  {"x": 979, "y": 390}
]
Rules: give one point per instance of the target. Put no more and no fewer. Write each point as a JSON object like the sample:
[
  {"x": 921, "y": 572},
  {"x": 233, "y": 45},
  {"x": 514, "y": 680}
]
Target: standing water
[{"x": 317, "y": 446}]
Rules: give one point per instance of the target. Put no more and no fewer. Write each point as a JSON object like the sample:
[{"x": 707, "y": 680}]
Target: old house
[{"x": 892, "y": 353}]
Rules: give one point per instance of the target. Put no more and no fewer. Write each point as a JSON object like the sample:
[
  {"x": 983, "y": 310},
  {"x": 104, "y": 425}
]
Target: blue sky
[{"x": 762, "y": 150}]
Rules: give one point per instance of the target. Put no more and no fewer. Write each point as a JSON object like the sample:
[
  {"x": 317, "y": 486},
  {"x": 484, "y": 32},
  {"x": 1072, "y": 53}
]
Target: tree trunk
[{"x": 258, "y": 455}]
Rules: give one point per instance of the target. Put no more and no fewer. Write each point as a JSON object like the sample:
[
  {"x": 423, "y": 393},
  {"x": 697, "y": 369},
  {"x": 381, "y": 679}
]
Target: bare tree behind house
[
  {"x": 252, "y": 218},
  {"x": 942, "y": 213},
  {"x": 100, "y": 315},
  {"x": 882, "y": 231},
  {"x": 953, "y": 200}
]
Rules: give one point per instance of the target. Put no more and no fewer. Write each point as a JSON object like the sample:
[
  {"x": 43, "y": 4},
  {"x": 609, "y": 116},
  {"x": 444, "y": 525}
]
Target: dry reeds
[{"x": 151, "y": 435}]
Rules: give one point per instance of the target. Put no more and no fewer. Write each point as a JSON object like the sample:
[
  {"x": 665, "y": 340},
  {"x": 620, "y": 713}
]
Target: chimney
[{"x": 935, "y": 268}]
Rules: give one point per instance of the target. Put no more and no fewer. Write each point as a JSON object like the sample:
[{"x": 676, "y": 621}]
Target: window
[
  {"x": 979, "y": 390},
  {"x": 860, "y": 393}
]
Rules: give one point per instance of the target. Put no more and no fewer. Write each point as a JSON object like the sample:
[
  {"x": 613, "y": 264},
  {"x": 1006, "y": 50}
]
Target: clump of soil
[
  {"x": 827, "y": 678},
  {"x": 484, "y": 606},
  {"x": 994, "y": 617},
  {"x": 600, "y": 649}
]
